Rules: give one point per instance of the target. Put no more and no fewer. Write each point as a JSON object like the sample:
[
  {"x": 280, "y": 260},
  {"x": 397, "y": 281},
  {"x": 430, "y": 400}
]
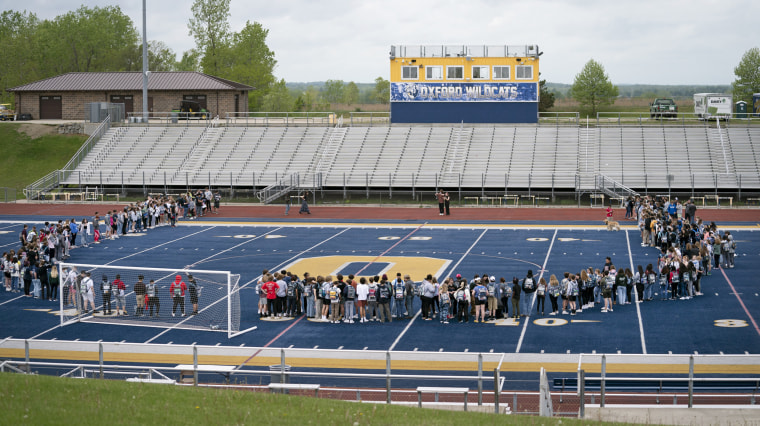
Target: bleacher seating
[{"x": 425, "y": 156}]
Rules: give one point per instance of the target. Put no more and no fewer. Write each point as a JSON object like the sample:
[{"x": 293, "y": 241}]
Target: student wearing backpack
[
  {"x": 349, "y": 295},
  {"x": 105, "y": 291},
  {"x": 462, "y": 296},
  {"x": 399, "y": 294},
  {"x": 607, "y": 282},
  {"x": 541, "y": 296},
  {"x": 480, "y": 299},
  {"x": 282, "y": 294},
  {"x": 516, "y": 295},
  {"x": 554, "y": 293},
  {"x": 384, "y": 294},
  {"x": 445, "y": 301},
  {"x": 177, "y": 293},
  {"x": 270, "y": 288},
  {"x": 408, "y": 295},
  {"x": 119, "y": 292},
  {"x": 493, "y": 297},
  {"x": 528, "y": 287},
  {"x": 308, "y": 295},
  {"x": 505, "y": 291},
  {"x": 428, "y": 293},
  {"x": 325, "y": 294},
  {"x": 292, "y": 292},
  {"x": 334, "y": 295}
]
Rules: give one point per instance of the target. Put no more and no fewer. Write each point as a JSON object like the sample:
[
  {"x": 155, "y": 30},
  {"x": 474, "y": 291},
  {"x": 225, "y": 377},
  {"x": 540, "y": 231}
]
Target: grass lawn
[
  {"x": 32, "y": 399},
  {"x": 32, "y": 151}
]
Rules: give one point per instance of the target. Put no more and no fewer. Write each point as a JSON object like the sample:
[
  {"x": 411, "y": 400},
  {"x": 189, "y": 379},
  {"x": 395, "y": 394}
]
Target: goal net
[{"x": 150, "y": 297}]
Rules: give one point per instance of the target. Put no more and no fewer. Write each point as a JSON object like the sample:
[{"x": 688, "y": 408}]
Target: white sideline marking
[{"x": 638, "y": 308}]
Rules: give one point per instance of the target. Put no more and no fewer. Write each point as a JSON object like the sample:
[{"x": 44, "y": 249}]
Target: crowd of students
[
  {"x": 29, "y": 268},
  {"x": 688, "y": 251}
]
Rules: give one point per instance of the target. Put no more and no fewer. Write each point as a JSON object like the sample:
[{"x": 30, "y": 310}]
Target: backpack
[
  {"x": 291, "y": 289},
  {"x": 177, "y": 290},
  {"x": 399, "y": 290},
  {"x": 674, "y": 277},
  {"x": 350, "y": 292},
  {"x": 491, "y": 289},
  {"x": 609, "y": 282},
  {"x": 334, "y": 296},
  {"x": 528, "y": 283},
  {"x": 417, "y": 289},
  {"x": 384, "y": 293},
  {"x": 480, "y": 294},
  {"x": 460, "y": 295},
  {"x": 444, "y": 299},
  {"x": 371, "y": 297},
  {"x": 106, "y": 287},
  {"x": 307, "y": 290},
  {"x": 507, "y": 292},
  {"x": 686, "y": 276},
  {"x": 652, "y": 278}
]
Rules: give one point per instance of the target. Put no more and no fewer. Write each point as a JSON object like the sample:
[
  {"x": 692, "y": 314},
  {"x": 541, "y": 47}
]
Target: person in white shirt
[
  {"x": 88, "y": 293},
  {"x": 362, "y": 290}
]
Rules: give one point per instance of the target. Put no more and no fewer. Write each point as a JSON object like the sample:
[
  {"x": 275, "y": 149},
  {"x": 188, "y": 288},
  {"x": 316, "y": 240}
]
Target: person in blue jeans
[{"x": 529, "y": 286}]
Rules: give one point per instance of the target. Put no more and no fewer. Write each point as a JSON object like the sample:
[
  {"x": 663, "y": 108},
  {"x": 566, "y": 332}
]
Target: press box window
[
  {"x": 479, "y": 73},
  {"x": 409, "y": 73},
  {"x": 454, "y": 73},
  {"x": 524, "y": 72},
  {"x": 501, "y": 73},
  {"x": 434, "y": 73}
]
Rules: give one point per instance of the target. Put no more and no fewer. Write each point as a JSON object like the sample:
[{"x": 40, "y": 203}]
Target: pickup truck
[{"x": 663, "y": 107}]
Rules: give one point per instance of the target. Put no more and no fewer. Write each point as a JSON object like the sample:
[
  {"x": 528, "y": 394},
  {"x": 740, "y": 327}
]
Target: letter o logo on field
[
  {"x": 389, "y": 238},
  {"x": 550, "y": 322},
  {"x": 537, "y": 239}
]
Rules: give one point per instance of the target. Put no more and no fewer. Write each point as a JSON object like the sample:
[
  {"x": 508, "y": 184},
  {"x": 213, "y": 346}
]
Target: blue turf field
[{"x": 721, "y": 321}]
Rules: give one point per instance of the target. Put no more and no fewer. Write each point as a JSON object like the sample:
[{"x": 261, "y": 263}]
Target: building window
[
  {"x": 524, "y": 72},
  {"x": 479, "y": 73},
  {"x": 409, "y": 73},
  {"x": 434, "y": 72},
  {"x": 455, "y": 73},
  {"x": 501, "y": 73}
]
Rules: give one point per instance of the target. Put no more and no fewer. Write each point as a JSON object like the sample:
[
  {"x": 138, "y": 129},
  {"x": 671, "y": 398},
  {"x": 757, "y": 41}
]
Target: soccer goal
[{"x": 150, "y": 297}]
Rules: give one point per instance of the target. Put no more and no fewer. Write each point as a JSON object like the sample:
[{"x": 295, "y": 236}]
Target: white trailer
[{"x": 713, "y": 105}]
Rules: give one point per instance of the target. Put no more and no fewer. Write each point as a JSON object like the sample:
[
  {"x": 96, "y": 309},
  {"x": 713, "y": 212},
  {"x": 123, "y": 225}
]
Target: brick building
[{"x": 66, "y": 96}]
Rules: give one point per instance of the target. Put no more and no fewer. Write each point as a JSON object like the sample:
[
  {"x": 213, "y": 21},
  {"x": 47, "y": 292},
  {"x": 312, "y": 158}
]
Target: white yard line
[
  {"x": 530, "y": 308},
  {"x": 638, "y": 308}
]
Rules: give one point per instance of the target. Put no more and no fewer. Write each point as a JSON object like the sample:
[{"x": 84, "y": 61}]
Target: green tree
[
  {"x": 546, "y": 97},
  {"x": 278, "y": 99},
  {"x": 382, "y": 91},
  {"x": 211, "y": 29},
  {"x": 160, "y": 57},
  {"x": 86, "y": 40},
  {"x": 18, "y": 38},
  {"x": 350, "y": 93},
  {"x": 251, "y": 62},
  {"x": 191, "y": 61},
  {"x": 332, "y": 91},
  {"x": 592, "y": 87},
  {"x": 747, "y": 76}
]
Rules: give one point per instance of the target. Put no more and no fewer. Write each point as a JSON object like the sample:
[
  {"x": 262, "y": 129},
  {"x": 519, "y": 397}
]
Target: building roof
[{"x": 129, "y": 81}]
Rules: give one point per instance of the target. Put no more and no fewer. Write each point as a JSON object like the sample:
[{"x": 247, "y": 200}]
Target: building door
[
  {"x": 128, "y": 102},
  {"x": 150, "y": 105},
  {"x": 237, "y": 103},
  {"x": 51, "y": 108}
]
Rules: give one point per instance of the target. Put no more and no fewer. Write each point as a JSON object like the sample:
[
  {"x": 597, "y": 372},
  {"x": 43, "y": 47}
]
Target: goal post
[{"x": 150, "y": 297}]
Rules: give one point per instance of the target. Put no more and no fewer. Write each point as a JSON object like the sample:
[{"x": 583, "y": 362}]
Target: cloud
[{"x": 654, "y": 42}]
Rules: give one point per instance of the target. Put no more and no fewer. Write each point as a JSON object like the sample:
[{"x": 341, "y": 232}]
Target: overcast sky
[{"x": 643, "y": 41}]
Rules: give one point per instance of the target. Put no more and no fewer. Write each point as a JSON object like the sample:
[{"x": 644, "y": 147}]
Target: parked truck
[
  {"x": 6, "y": 113},
  {"x": 712, "y": 106},
  {"x": 663, "y": 107},
  {"x": 756, "y": 104}
]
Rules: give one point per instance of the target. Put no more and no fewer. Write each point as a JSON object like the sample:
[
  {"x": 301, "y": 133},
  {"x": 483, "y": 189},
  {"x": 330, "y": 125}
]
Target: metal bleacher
[{"x": 452, "y": 156}]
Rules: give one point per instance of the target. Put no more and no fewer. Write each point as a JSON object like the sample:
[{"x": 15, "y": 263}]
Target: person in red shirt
[
  {"x": 177, "y": 291},
  {"x": 120, "y": 293},
  {"x": 270, "y": 287},
  {"x": 609, "y": 212}
]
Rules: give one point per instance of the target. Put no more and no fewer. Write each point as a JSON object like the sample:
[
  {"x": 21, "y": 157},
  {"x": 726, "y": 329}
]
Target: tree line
[{"x": 104, "y": 39}]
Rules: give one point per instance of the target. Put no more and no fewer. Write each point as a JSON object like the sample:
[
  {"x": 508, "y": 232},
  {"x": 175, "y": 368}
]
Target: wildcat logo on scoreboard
[{"x": 464, "y": 92}]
